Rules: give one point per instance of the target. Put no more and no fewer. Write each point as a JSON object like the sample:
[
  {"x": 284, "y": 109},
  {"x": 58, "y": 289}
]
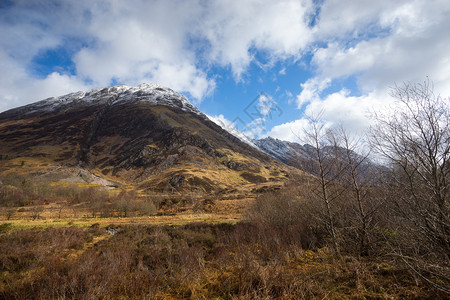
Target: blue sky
[{"x": 260, "y": 66}]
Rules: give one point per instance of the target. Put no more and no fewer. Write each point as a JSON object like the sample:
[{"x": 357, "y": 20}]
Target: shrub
[{"x": 283, "y": 217}]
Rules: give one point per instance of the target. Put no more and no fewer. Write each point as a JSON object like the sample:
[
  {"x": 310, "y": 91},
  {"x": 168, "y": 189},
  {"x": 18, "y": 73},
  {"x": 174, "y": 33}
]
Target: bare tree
[
  {"x": 124, "y": 202},
  {"x": 414, "y": 138},
  {"x": 359, "y": 178},
  {"x": 326, "y": 169},
  {"x": 36, "y": 212},
  {"x": 9, "y": 213}
]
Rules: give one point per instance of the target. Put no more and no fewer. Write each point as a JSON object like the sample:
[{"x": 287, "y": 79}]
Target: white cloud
[
  {"x": 234, "y": 27},
  {"x": 15, "y": 92},
  {"x": 392, "y": 41},
  {"x": 290, "y": 131},
  {"x": 347, "y": 19},
  {"x": 144, "y": 41},
  {"x": 379, "y": 44},
  {"x": 352, "y": 112},
  {"x": 311, "y": 90},
  {"x": 246, "y": 131},
  {"x": 184, "y": 77},
  {"x": 171, "y": 42},
  {"x": 335, "y": 61},
  {"x": 231, "y": 128},
  {"x": 223, "y": 122},
  {"x": 339, "y": 108},
  {"x": 265, "y": 104}
]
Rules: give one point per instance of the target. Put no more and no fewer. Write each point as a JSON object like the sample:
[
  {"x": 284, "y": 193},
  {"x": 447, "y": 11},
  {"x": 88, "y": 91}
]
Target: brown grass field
[
  {"x": 189, "y": 260},
  {"x": 184, "y": 255},
  {"x": 69, "y": 241}
]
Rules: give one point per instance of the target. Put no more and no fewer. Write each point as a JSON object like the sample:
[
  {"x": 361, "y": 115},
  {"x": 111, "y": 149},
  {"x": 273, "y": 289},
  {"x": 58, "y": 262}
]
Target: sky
[{"x": 260, "y": 67}]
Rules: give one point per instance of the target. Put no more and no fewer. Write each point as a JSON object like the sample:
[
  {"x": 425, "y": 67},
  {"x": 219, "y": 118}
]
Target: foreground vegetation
[
  {"x": 280, "y": 249},
  {"x": 247, "y": 261}
]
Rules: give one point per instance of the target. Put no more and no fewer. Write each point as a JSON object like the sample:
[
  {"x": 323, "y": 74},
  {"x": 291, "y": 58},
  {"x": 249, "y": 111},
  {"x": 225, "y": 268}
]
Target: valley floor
[
  {"x": 169, "y": 219},
  {"x": 84, "y": 243},
  {"x": 186, "y": 256},
  {"x": 61, "y": 215}
]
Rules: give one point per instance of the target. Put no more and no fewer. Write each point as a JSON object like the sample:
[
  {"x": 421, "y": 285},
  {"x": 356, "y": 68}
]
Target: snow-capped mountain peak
[{"x": 146, "y": 92}]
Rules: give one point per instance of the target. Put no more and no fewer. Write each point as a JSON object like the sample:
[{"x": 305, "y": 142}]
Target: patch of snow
[
  {"x": 146, "y": 92},
  {"x": 283, "y": 150},
  {"x": 231, "y": 128},
  {"x": 272, "y": 146}
]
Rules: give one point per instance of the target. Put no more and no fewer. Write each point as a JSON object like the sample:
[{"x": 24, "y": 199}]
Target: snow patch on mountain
[
  {"x": 231, "y": 128},
  {"x": 273, "y": 147},
  {"x": 284, "y": 151},
  {"x": 146, "y": 92}
]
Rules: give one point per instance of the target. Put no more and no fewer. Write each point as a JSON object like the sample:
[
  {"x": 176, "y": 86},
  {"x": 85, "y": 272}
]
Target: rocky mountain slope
[
  {"x": 304, "y": 157},
  {"x": 148, "y": 137},
  {"x": 287, "y": 152}
]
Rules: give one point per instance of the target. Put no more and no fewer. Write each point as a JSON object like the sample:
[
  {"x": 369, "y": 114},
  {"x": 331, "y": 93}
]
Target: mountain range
[{"x": 147, "y": 137}]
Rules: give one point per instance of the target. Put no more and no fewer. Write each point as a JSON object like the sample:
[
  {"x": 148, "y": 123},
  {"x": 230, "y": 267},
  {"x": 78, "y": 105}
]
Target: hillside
[{"x": 147, "y": 137}]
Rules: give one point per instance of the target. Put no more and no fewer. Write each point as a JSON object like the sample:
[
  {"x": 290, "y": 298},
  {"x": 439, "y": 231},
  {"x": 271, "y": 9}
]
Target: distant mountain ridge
[
  {"x": 288, "y": 152},
  {"x": 304, "y": 156}
]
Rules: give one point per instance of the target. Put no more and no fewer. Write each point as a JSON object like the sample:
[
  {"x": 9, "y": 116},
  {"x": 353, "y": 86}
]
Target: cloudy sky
[{"x": 260, "y": 66}]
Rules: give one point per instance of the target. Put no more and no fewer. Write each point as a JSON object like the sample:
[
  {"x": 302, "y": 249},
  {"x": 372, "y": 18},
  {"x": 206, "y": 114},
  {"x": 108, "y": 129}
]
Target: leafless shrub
[
  {"x": 36, "y": 212},
  {"x": 11, "y": 196},
  {"x": 146, "y": 206},
  {"x": 415, "y": 140},
  {"x": 327, "y": 167},
  {"x": 124, "y": 202},
  {"x": 282, "y": 218},
  {"x": 9, "y": 212}
]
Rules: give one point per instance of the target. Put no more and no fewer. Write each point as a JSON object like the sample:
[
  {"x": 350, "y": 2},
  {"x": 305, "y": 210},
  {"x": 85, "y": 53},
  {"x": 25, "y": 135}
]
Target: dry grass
[
  {"x": 196, "y": 261},
  {"x": 181, "y": 219},
  {"x": 192, "y": 245}
]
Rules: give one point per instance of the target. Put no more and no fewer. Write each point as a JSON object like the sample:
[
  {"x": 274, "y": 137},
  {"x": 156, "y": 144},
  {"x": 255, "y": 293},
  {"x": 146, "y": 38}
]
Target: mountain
[
  {"x": 147, "y": 137},
  {"x": 304, "y": 157},
  {"x": 287, "y": 152}
]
